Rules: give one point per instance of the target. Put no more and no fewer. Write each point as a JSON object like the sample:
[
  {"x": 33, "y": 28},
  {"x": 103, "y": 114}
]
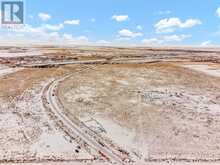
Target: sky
[{"x": 119, "y": 22}]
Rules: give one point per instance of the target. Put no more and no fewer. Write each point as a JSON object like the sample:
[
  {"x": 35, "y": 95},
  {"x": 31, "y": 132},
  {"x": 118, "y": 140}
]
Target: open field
[
  {"x": 150, "y": 109},
  {"x": 95, "y": 105}
]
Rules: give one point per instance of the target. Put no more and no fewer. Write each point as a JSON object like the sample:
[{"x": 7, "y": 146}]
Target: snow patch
[
  {"x": 123, "y": 137},
  {"x": 206, "y": 69},
  {"x": 28, "y": 133},
  {"x": 4, "y": 70},
  {"x": 19, "y": 53}
]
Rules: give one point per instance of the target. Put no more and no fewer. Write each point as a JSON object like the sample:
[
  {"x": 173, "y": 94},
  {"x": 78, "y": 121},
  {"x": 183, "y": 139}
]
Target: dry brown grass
[{"x": 15, "y": 84}]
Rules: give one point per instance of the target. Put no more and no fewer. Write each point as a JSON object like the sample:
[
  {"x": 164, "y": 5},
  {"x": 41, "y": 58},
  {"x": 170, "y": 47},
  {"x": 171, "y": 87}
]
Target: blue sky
[{"x": 132, "y": 22}]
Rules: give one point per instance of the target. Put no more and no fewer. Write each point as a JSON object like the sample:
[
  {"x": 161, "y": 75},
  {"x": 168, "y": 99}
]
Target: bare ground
[
  {"x": 162, "y": 111},
  {"x": 166, "y": 111}
]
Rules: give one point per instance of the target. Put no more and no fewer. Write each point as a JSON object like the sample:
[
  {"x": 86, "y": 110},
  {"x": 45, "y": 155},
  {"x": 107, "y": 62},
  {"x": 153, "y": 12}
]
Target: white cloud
[
  {"x": 171, "y": 24},
  {"x": 120, "y": 18},
  {"x": 54, "y": 34},
  {"x": 165, "y": 39},
  {"x": 92, "y": 19},
  {"x": 31, "y": 34},
  {"x": 29, "y": 29},
  {"x": 72, "y": 22},
  {"x": 53, "y": 27},
  {"x": 103, "y": 42},
  {"x": 176, "y": 38},
  {"x": 39, "y": 30},
  {"x": 127, "y": 34},
  {"x": 52, "y": 37},
  {"x": 152, "y": 41},
  {"x": 139, "y": 27},
  {"x": 44, "y": 16},
  {"x": 206, "y": 43},
  {"x": 42, "y": 35},
  {"x": 82, "y": 39},
  {"x": 75, "y": 40},
  {"x": 31, "y": 16},
  {"x": 164, "y": 12},
  {"x": 67, "y": 36},
  {"x": 218, "y": 12}
]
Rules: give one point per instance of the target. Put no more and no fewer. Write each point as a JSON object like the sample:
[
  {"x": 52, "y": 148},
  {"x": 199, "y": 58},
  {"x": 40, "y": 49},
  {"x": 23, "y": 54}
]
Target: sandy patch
[{"x": 207, "y": 69}]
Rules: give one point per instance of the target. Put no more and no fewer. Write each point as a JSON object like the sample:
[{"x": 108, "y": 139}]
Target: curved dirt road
[{"x": 53, "y": 104}]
